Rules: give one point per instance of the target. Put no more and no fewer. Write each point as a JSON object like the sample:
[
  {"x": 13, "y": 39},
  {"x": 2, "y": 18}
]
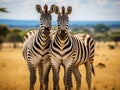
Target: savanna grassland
[{"x": 14, "y": 74}]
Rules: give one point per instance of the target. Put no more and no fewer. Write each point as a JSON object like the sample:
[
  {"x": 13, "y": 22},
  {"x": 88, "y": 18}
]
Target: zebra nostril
[{"x": 45, "y": 27}]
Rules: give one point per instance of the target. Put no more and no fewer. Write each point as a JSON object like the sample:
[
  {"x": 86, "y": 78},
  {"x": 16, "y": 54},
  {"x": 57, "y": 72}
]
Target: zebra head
[
  {"x": 62, "y": 20},
  {"x": 45, "y": 18}
]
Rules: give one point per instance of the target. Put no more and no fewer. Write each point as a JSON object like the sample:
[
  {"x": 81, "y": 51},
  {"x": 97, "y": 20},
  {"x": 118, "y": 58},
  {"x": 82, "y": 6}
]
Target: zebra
[
  {"x": 70, "y": 52},
  {"x": 35, "y": 48}
]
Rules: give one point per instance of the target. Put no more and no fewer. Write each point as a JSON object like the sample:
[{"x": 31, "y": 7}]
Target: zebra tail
[{"x": 93, "y": 71}]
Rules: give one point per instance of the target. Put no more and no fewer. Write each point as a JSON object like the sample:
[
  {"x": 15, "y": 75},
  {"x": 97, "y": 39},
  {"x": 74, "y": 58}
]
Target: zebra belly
[{"x": 79, "y": 62}]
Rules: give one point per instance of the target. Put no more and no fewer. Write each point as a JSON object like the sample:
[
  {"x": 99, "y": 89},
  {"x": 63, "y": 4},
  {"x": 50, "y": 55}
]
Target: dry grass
[{"x": 14, "y": 74}]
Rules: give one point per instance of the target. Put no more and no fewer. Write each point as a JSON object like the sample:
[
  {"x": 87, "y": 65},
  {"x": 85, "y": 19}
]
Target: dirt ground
[{"x": 14, "y": 74}]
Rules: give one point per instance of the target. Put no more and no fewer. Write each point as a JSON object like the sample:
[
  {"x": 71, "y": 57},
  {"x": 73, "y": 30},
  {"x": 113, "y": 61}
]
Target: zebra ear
[
  {"x": 69, "y": 10},
  {"x": 56, "y": 10},
  {"x": 39, "y": 9},
  {"x": 52, "y": 8}
]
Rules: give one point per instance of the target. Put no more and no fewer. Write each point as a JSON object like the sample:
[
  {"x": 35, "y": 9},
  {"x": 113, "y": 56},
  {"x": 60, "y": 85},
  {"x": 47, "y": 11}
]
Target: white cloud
[
  {"x": 102, "y": 2},
  {"x": 6, "y": 1},
  {"x": 117, "y": 3}
]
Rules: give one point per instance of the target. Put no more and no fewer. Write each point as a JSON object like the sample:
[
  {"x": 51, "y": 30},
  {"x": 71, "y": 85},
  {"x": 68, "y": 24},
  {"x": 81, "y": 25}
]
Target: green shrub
[{"x": 101, "y": 28}]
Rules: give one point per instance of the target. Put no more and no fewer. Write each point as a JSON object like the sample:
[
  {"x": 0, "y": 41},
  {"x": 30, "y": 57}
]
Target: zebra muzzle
[
  {"x": 46, "y": 31},
  {"x": 62, "y": 35}
]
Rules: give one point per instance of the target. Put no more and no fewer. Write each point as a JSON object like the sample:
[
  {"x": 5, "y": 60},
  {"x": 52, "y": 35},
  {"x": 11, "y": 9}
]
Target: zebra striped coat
[
  {"x": 36, "y": 46},
  {"x": 70, "y": 51}
]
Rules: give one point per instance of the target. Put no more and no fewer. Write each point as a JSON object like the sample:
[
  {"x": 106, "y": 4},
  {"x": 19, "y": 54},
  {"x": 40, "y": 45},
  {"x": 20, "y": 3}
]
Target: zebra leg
[
  {"x": 32, "y": 70},
  {"x": 68, "y": 85},
  {"x": 40, "y": 70},
  {"x": 55, "y": 69},
  {"x": 46, "y": 70},
  {"x": 88, "y": 67},
  {"x": 77, "y": 75},
  {"x": 68, "y": 75},
  {"x": 64, "y": 79}
]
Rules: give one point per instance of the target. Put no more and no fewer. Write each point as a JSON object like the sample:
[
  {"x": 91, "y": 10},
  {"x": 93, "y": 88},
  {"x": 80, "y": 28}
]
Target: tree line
[
  {"x": 100, "y": 32},
  {"x": 14, "y": 35}
]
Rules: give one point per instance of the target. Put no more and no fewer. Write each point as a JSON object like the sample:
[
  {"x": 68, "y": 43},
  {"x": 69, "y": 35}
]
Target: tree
[
  {"x": 101, "y": 28},
  {"x": 87, "y": 30},
  {"x": 76, "y": 29},
  {"x": 115, "y": 36},
  {"x": 15, "y": 37},
  {"x": 3, "y": 33},
  {"x": 3, "y": 10}
]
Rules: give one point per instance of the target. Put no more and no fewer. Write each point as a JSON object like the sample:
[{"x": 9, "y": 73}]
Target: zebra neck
[
  {"x": 62, "y": 42},
  {"x": 43, "y": 42},
  {"x": 42, "y": 37}
]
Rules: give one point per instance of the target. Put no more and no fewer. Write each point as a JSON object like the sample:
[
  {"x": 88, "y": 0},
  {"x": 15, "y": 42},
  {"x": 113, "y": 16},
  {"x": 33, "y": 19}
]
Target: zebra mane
[
  {"x": 45, "y": 8},
  {"x": 63, "y": 10}
]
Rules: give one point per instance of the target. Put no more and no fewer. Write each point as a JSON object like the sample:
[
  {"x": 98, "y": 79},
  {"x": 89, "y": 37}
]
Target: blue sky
[{"x": 108, "y": 10}]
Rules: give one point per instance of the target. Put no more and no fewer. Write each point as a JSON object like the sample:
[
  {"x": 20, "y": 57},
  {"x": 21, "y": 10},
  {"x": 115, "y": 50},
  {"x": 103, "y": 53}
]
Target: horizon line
[{"x": 55, "y": 20}]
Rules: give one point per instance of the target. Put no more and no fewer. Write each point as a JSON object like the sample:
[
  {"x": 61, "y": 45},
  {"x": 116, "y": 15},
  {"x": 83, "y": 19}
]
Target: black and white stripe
[
  {"x": 70, "y": 51},
  {"x": 36, "y": 48}
]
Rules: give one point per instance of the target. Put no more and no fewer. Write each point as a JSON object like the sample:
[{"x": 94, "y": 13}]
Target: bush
[
  {"x": 101, "y": 28},
  {"x": 100, "y": 37},
  {"x": 15, "y": 36},
  {"x": 3, "y": 33},
  {"x": 115, "y": 36},
  {"x": 76, "y": 29},
  {"x": 111, "y": 46}
]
